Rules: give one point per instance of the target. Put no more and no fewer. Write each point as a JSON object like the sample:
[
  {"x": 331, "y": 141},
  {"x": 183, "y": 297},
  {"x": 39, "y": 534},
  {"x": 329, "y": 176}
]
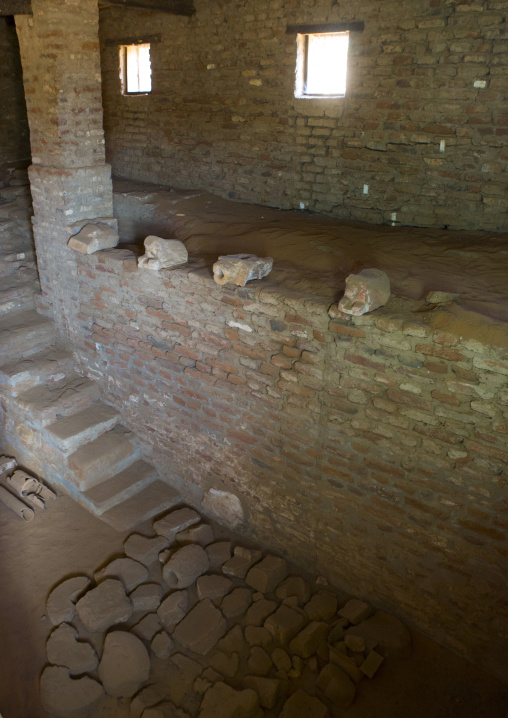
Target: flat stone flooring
[{"x": 67, "y": 541}]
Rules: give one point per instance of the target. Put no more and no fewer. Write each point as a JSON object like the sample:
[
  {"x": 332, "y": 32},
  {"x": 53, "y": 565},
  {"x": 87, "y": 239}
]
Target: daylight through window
[
  {"x": 135, "y": 69},
  {"x": 322, "y": 64}
]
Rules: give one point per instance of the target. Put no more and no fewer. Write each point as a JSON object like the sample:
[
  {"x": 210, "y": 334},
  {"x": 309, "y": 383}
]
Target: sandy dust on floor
[{"x": 66, "y": 540}]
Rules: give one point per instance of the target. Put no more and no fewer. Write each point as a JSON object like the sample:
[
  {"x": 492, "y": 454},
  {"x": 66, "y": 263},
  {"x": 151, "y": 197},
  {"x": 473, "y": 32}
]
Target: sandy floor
[{"x": 66, "y": 540}]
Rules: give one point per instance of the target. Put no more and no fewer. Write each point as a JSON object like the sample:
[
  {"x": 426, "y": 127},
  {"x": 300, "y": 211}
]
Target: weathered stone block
[
  {"x": 365, "y": 291},
  {"x": 241, "y": 268},
  {"x": 94, "y": 237}
]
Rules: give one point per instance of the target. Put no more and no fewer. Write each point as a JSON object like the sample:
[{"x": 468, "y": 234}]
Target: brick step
[
  {"x": 154, "y": 499},
  {"x": 46, "y": 402},
  {"x": 24, "y": 332},
  {"x": 18, "y": 290},
  {"x": 120, "y": 487},
  {"x": 49, "y": 366},
  {"x": 72, "y": 431},
  {"x": 101, "y": 459}
]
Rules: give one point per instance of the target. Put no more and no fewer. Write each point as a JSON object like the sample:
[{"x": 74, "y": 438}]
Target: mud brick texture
[
  {"x": 374, "y": 449},
  {"x": 222, "y": 115}
]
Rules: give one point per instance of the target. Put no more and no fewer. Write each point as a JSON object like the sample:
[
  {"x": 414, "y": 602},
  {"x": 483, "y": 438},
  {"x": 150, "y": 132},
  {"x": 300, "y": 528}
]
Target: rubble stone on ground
[
  {"x": 144, "y": 549},
  {"x": 200, "y": 630},
  {"x": 162, "y": 645},
  {"x": 336, "y": 685},
  {"x": 104, "y": 606},
  {"x": 181, "y": 674},
  {"x": 125, "y": 664},
  {"x": 355, "y": 611},
  {"x": 237, "y": 602},
  {"x": 284, "y": 624},
  {"x": 322, "y": 606},
  {"x": 243, "y": 558},
  {"x": 294, "y": 586},
  {"x": 259, "y": 662},
  {"x": 222, "y": 701},
  {"x": 225, "y": 663},
  {"x": 266, "y": 575},
  {"x": 281, "y": 659},
  {"x": 301, "y": 705},
  {"x": 258, "y": 636},
  {"x": 64, "y": 696},
  {"x": 306, "y": 643},
  {"x": 173, "y": 609},
  {"x": 131, "y": 573},
  {"x": 390, "y": 637},
  {"x": 233, "y": 641},
  {"x": 371, "y": 664},
  {"x": 147, "y": 627},
  {"x": 218, "y": 553},
  {"x": 146, "y": 597},
  {"x": 201, "y": 534},
  {"x": 185, "y": 565},
  {"x": 212, "y": 586},
  {"x": 176, "y": 521},
  {"x": 63, "y": 649},
  {"x": 61, "y": 602},
  {"x": 268, "y": 689},
  {"x": 259, "y": 612},
  {"x": 241, "y": 268}
]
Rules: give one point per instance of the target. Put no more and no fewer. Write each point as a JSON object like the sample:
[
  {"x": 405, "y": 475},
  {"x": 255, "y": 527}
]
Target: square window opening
[
  {"x": 321, "y": 64},
  {"x": 135, "y": 69}
]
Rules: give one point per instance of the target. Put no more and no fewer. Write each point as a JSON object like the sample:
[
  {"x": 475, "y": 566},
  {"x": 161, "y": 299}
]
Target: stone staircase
[{"x": 55, "y": 421}]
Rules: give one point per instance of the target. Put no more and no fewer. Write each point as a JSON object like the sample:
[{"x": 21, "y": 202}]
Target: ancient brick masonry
[
  {"x": 372, "y": 448},
  {"x": 423, "y": 124}
]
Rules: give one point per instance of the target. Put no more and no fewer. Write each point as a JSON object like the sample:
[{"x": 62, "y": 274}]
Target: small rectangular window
[
  {"x": 135, "y": 69},
  {"x": 321, "y": 68}
]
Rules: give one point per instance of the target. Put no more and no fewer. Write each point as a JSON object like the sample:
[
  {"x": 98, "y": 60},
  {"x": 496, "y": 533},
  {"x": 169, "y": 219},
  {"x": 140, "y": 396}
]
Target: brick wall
[
  {"x": 222, "y": 115},
  {"x": 14, "y": 135},
  {"x": 373, "y": 451}
]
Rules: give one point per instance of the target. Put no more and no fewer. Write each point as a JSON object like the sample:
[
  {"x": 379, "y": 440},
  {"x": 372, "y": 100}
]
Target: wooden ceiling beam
[
  {"x": 175, "y": 7},
  {"x": 15, "y": 7}
]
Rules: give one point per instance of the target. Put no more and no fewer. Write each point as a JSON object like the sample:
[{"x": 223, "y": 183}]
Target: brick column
[{"x": 70, "y": 181}]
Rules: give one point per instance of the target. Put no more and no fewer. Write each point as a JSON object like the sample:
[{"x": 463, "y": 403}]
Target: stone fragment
[
  {"x": 258, "y": 636},
  {"x": 259, "y": 662},
  {"x": 218, "y": 553},
  {"x": 294, "y": 586},
  {"x": 225, "y": 664},
  {"x": 223, "y": 506},
  {"x": 337, "y": 631},
  {"x": 131, "y": 573},
  {"x": 322, "y": 606},
  {"x": 104, "y": 606},
  {"x": 147, "y": 627},
  {"x": 355, "y": 643},
  {"x": 147, "y": 698},
  {"x": 371, "y": 664},
  {"x": 185, "y": 565},
  {"x": 233, "y": 641},
  {"x": 165, "y": 554},
  {"x": 241, "y": 562},
  {"x": 61, "y": 603},
  {"x": 64, "y": 696},
  {"x": 281, "y": 660},
  {"x": 200, "y": 630},
  {"x": 266, "y": 575},
  {"x": 212, "y": 586},
  {"x": 391, "y": 637},
  {"x": 163, "y": 253},
  {"x": 237, "y": 602},
  {"x": 348, "y": 665},
  {"x": 306, "y": 643},
  {"x": 268, "y": 689},
  {"x": 222, "y": 701},
  {"x": 336, "y": 685},
  {"x": 201, "y": 534},
  {"x": 173, "y": 609},
  {"x": 365, "y": 291},
  {"x": 7, "y": 463},
  {"x": 176, "y": 521},
  {"x": 125, "y": 664},
  {"x": 355, "y": 611},
  {"x": 144, "y": 549},
  {"x": 241, "y": 268},
  {"x": 181, "y": 674},
  {"x": 146, "y": 597},
  {"x": 259, "y": 612},
  {"x": 94, "y": 237},
  {"x": 284, "y": 624},
  {"x": 63, "y": 649},
  {"x": 437, "y": 297},
  {"x": 301, "y": 705},
  {"x": 162, "y": 645}
]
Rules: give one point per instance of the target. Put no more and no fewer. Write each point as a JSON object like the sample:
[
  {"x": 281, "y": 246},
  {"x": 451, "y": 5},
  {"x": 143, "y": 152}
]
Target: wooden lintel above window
[
  {"x": 175, "y": 7},
  {"x": 15, "y": 7},
  {"x": 325, "y": 27}
]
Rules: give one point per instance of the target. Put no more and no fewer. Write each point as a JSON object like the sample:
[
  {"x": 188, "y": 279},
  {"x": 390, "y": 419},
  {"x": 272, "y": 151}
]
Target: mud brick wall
[
  {"x": 222, "y": 114},
  {"x": 373, "y": 451},
  {"x": 14, "y": 135}
]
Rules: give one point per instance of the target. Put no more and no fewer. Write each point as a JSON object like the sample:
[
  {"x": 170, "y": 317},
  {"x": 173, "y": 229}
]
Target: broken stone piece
[
  {"x": 306, "y": 643},
  {"x": 131, "y": 573},
  {"x": 65, "y": 696},
  {"x": 322, "y": 606},
  {"x": 147, "y": 698},
  {"x": 104, "y": 606},
  {"x": 173, "y": 609},
  {"x": 284, "y": 624},
  {"x": 7, "y": 463},
  {"x": 391, "y": 638},
  {"x": 258, "y": 636},
  {"x": 347, "y": 664},
  {"x": 281, "y": 660},
  {"x": 371, "y": 664},
  {"x": 294, "y": 586},
  {"x": 355, "y": 611},
  {"x": 241, "y": 268},
  {"x": 268, "y": 689},
  {"x": 162, "y": 645},
  {"x": 185, "y": 566},
  {"x": 212, "y": 586},
  {"x": 301, "y": 705},
  {"x": 218, "y": 553},
  {"x": 61, "y": 603},
  {"x": 94, "y": 237},
  {"x": 180, "y": 676},
  {"x": 125, "y": 664},
  {"x": 336, "y": 685},
  {"x": 146, "y": 597},
  {"x": 259, "y": 662},
  {"x": 16, "y": 505},
  {"x": 224, "y": 507},
  {"x": 163, "y": 253},
  {"x": 226, "y": 664},
  {"x": 200, "y": 630},
  {"x": 176, "y": 521},
  {"x": 147, "y": 627},
  {"x": 365, "y": 291},
  {"x": 63, "y": 649},
  {"x": 144, "y": 549},
  {"x": 266, "y": 575},
  {"x": 237, "y": 602},
  {"x": 222, "y": 701},
  {"x": 259, "y": 612},
  {"x": 355, "y": 643},
  {"x": 437, "y": 297},
  {"x": 241, "y": 562},
  {"x": 200, "y": 533},
  {"x": 233, "y": 641}
]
